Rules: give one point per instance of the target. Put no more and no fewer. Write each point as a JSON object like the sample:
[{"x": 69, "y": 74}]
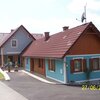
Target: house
[
  {"x": 72, "y": 55},
  {"x": 13, "y": 44},
  {"x": 37, "y": 35}
]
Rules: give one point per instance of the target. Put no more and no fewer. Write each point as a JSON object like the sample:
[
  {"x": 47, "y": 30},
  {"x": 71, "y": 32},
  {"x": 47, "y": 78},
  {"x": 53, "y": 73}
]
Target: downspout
[{"x": 65, "y": 71}]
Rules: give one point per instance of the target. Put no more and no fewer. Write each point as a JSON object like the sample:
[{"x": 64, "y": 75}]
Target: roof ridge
[
  {"x": 67, "y": 30},
  {"x": 72, "y": 28},
  {"x": 81, "y": 25}
]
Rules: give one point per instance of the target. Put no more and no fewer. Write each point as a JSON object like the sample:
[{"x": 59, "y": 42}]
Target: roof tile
[{"x": 57, "y": 45}]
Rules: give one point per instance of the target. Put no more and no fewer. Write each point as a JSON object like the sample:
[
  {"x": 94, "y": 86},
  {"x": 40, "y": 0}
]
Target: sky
[{"x": 40, "y": 16}]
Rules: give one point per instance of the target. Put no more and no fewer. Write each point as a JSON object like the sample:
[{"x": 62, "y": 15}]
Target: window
[
  {"x": 14, "y": 43},
  {"x": 51, "y": 64},
  {"x": 78, "y": 65},
  {"x": 40, "y": 63},
  {"x": 95, "y": 64}
]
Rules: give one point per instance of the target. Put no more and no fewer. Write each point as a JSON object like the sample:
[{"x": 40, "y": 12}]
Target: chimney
[
  {"x": 12, "y": 30},
  {"x": 65, "y": 28},
  {"x": 46, "y": 35}
]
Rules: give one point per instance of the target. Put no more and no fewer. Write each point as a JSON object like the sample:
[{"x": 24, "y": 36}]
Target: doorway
[{"x": 32, "y": 65}]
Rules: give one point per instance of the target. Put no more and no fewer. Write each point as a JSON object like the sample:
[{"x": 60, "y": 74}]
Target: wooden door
[{"x": 41, "y": 66}]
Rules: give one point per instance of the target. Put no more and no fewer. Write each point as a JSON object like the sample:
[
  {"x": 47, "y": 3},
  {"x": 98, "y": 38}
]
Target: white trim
[
  {"x": 96, "y": 71},
  {"x": 55, "y": 79},
  {"x": 82, "y": 55},
  {"x": 51, "y": 71},
  {"x": 2, "y": 57},
  {"x": 38, "y": 78},
  {"x": 78, "y": 72},
  {"x": 75, "y": 58},
  {"x": 65, "y": 71},
  {"x": 88, "y": 80},
  {"x": 96, "y": 57},
  {"x": 16, "y": 43},
  {"x": 13, "y": 52}
]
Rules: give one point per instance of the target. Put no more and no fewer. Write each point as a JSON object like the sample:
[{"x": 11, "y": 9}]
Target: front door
[
  {"x": 41, "y": 66},
  {"x": 32, "y": 64},
  {"x": 10, "y": 58}
]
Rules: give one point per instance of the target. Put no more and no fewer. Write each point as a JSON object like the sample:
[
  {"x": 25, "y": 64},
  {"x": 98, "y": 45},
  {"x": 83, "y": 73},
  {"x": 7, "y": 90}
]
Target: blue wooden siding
[
  {"x": 27, "y": 64},
  {"x": 58, "y": 74},
  {"x": 23, "y": 40},
  {"x": 81, "y": 76}
]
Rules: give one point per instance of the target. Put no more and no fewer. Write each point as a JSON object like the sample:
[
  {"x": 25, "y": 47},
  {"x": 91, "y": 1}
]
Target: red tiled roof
[
  {"x": 11, "y": 34},
  {"x": 37, "y": 36},
  {"x": 2, "y": 36},
  {"x": 57, "y": 45}
]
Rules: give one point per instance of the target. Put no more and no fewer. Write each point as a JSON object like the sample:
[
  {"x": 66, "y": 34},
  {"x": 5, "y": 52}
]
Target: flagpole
[{"x": 85, "y": 12}]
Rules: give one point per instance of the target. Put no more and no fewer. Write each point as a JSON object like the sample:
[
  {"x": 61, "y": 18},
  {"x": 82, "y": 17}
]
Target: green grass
[{"x": 1, "y": 76}]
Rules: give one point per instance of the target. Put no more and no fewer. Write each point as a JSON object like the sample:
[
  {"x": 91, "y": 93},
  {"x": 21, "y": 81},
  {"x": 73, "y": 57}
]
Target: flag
[{"x": 83, "y": 17}]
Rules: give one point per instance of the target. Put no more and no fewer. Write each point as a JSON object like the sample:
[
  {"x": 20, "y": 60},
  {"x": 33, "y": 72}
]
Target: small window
[
  {"x": 51, "y": 64},
  {"x": 14, "y": 43},
  {"x": 78, "y": 65},
  {"x": 95, "y": 64},
  {"x": 40, "y": 63}
]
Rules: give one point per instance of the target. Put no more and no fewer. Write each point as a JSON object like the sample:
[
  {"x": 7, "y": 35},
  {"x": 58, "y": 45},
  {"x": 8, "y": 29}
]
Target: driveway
[{"x": 33, "y": 89}]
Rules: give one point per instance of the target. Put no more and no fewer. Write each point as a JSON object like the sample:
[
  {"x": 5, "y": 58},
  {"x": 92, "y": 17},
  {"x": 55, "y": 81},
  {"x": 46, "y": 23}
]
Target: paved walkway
[
  {"x": 34, "y": 89},
  {"x": 40, "y": 78},
  {"x": 6, "y": 93}
]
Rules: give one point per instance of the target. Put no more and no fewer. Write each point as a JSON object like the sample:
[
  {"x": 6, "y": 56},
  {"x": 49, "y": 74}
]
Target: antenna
[
  {"x": 83, "y": 17},
  {"x": 85, "y": 12}
]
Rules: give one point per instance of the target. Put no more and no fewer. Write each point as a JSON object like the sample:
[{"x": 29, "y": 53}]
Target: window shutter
[
  {"x": 80, "y": 60},
  {"x": 72, "y": 66},
  {"x": 84, "y": 65},
  {"x": 91, "y": 64}
]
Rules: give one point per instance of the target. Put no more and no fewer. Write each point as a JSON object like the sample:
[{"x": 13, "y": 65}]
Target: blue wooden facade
[
  {"x": 81, "y": 76},
  {"x": 58, "y": 74}
]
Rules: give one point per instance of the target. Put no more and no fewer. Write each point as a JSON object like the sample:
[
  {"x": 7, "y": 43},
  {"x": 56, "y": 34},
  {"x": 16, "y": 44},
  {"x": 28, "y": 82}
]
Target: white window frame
[
  {"x": 98, "y": 57},
  {"x": 16, "y": 43},
  {"x": 82, "y": 63}
]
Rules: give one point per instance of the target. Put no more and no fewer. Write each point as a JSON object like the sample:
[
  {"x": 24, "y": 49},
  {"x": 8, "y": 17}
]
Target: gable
[
  {"x": 88, "y": 43},
  {"x": 23, "y": 39},
  {"x": 71, "y": 41},
  {"x": 57, "y": 44}
]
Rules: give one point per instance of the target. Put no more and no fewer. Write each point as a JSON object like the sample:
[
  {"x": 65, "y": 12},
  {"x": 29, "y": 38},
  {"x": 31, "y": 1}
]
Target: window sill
[
  {"x": 78, "y": 72},
  {"x": 13, "y": 46},
  {"x": 96, "y": 71},
  {"x": 51, "y": 71}
]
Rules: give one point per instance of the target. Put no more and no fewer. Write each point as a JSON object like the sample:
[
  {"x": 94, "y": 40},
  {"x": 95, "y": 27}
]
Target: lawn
[{"x": 1, "y": 76}]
